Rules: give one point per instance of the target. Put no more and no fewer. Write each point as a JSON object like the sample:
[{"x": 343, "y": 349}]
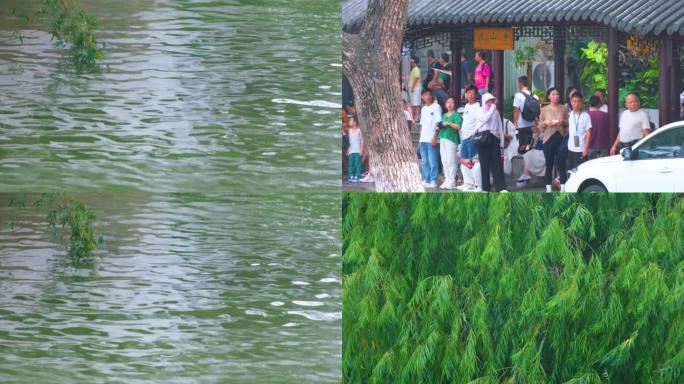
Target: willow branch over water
[
  {"x": 67, "y": 219},
  {"x": 71, "y": 27}
]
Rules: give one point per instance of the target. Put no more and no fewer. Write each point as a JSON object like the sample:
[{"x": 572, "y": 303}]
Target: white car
[{"x": 654, "y": 164}]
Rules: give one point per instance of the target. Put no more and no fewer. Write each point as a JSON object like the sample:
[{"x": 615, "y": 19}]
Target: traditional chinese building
[{"x": 657, "y": 26}]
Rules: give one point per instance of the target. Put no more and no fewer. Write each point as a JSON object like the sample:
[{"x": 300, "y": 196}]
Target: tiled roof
[{"x": 632, "y": 16}]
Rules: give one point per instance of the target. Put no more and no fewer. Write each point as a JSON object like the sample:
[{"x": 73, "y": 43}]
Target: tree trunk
[{"x": 370, "y": 59}]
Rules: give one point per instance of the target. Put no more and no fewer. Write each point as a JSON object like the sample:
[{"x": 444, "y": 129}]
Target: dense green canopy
[{"x": 524, "y": 288}]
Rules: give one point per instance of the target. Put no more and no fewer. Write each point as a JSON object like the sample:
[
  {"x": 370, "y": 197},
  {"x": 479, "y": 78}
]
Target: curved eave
[{"x": 642, "y": 17}]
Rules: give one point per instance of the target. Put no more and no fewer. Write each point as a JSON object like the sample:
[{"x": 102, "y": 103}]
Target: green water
[
  {"x": 207, "y": 146},
  {"x": 222, "y": 96},
  {"x": 187, "y": 288}
]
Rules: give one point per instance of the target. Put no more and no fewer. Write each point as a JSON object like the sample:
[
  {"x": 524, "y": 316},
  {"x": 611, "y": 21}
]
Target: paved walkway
[{"x": 535, "y": 185}]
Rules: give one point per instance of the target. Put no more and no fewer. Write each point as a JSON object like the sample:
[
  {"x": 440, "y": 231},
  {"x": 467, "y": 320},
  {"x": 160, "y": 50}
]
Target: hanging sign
[{"x": 496, "y": 39}]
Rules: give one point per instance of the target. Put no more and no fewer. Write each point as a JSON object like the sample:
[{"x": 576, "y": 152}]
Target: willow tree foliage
[
  {"x": 71, "y": 27},
  {"x": 516, "y": 288},
  {"x": 67, "y": 219}
]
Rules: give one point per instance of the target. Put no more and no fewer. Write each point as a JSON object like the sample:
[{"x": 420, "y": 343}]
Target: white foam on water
[
  {"x": 268, "y": 153},
  {"x": 335, "y": 65},
  {"x": 277, "y": 303},
  {"x": 322, "y": 296},
  {"x": 256, "y": 312},
  {"x": 324, "y": 87},
  {"x": 305, "y": 303},
  {"x": 314, "y": 103},
  {"x": 318, "y": 315},
  {"x": 329, "y": 280},
  {"x": 297, "y": 282},
  {"x": 255, "y": 264},
  {"x": 288, "y": 325}
]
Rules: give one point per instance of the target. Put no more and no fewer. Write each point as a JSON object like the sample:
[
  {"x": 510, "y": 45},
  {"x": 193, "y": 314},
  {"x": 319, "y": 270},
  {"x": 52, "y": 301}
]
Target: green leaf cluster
[
  {"x": 641, "y": 76},
  {"x": 595, "y": 65},
  {"x": 67, "y": 219},
  {"x": 71, "y": 27},
  {"x": 517, "y": 288}
]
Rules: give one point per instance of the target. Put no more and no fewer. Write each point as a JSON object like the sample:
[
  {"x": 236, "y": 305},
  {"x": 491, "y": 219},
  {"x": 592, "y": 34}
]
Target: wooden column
[
  {"x": 676, "y": 81},
  {"x": 559, "y": 58},
  {"x": 456, "y": 71},
  {"x": 665, "y": 80},
  {"x": 613, "y": 93},
  {"x": 498, "y": 60}
]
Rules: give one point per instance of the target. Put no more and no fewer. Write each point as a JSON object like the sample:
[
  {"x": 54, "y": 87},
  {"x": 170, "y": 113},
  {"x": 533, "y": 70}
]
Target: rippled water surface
[
  {"x": 187, "y": 288},
  {"x": 221, "y": 96},
  {"x": 234, "y": 103}
]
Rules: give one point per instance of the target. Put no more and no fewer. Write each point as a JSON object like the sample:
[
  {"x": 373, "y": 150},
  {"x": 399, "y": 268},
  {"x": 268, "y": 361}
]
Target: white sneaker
[
  {"x": 476, "y": 189},
  {"x": 368, "y": 179},
  {"x": 426, "y": 184},
  {"x": 432, "y": 184},
  {"x": 562, "y": 188},
  {"x": 548, "y": 188},
  {"x": 451, "y": 186},
  {"x": 443, "y": 185},
  {"x": 503, "y": 191}
]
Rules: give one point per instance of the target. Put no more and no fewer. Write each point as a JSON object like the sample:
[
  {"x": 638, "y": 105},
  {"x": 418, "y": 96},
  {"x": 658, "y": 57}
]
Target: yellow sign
[{"x": 497, "y": 39}]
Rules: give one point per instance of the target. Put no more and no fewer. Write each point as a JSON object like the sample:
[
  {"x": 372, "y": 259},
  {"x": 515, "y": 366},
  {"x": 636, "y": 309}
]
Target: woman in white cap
[{"x": 489, "y": 150}]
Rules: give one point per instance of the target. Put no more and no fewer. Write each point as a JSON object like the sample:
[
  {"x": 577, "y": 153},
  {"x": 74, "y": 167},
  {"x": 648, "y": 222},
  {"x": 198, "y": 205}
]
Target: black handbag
[{"x": 481, "y": 138}]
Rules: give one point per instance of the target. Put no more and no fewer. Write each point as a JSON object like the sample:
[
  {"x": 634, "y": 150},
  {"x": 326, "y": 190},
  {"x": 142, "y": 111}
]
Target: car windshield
[{"x": 665, "y": 145}]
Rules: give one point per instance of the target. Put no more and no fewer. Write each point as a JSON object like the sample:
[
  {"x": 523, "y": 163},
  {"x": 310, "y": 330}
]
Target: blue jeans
[
  {"x": 428, "y": 154},
  {"x": 354, "y": 165},
  {"x": 468, "y": 149}
]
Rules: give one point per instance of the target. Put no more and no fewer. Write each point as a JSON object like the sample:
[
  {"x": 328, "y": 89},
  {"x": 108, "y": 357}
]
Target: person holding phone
[
  {"x": 579, "y": 129},
  {"x": 553, "y": 126}
]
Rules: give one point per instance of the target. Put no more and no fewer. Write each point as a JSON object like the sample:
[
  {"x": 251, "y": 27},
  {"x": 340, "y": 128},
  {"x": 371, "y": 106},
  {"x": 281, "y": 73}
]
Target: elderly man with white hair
[{"x": 634, "y": 124}]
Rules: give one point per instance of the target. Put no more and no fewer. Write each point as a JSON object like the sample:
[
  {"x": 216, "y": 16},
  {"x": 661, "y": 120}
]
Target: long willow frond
[{"x": 515, "y": 288}]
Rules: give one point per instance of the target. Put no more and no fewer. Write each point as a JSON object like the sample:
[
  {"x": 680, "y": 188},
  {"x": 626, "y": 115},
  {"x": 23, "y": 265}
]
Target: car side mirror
[{"x": 628, "y": 153}]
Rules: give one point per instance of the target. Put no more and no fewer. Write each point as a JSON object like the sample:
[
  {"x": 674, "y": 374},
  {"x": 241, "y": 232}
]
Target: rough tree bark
[{"x": 370, "y": 59}]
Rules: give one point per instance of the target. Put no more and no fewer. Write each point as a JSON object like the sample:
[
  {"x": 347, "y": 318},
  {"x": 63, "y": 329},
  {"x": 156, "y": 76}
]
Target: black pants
[
  {"x": 575, "y": 159},
  {"x": 489, "y": 155},
  {"x": 551, "y": 154},
  {"x": 625, "y": 145},
  {"x": 524, "y": 135}
]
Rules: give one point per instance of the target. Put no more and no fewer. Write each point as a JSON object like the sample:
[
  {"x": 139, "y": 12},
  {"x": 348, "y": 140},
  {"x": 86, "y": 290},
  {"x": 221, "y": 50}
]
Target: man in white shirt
[
  {"x": 634, "y": 124},
  {"x": 430, "y": 115},
  {"x": 470, "y": 167},
  {"x": 579, "y": 132},
  {"x": 522, "y": 126}
]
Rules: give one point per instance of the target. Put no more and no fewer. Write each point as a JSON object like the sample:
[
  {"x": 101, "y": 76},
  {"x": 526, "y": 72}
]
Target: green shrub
[{"x": 519, "y": 288}]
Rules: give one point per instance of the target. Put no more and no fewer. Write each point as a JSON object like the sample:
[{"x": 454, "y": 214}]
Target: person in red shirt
[
  {"x": 483, "y": 73},
  {"x": 599, "y": 142}
]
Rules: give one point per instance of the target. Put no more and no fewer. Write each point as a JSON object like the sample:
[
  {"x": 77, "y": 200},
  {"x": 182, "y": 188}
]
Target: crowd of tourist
[{"x": 471, "y": 145}]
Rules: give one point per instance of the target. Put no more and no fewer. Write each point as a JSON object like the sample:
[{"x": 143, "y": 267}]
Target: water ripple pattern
[
  {"x": 188, "y": 288},
  {"x": 221, "y": 96}
]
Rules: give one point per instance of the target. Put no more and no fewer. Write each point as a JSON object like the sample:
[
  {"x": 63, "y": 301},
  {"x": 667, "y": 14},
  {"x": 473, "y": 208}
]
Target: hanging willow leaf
[{"x": 513, "y": 288}]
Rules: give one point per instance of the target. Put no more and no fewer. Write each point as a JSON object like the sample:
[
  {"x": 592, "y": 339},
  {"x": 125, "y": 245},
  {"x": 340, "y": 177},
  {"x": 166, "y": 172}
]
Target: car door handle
[{"x": 665, "y": 170}]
